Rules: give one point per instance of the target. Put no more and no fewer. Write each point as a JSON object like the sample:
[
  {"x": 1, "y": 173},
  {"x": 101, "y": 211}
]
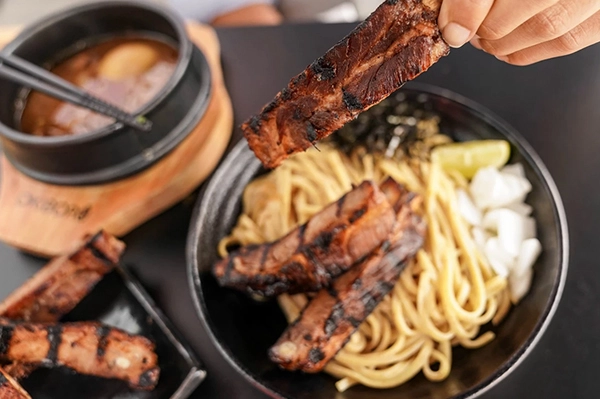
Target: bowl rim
[
  {"x": 184, "y": 57},
  {"x": 241, "y": 152}
]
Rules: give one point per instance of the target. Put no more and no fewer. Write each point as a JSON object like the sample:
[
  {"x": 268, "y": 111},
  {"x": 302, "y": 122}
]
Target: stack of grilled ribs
[
  {"x": 350, "y": 255},
  {"x": 31, "y": 335}
]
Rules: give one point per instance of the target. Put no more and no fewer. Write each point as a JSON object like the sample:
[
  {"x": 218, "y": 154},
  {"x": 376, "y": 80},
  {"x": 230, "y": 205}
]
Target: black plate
[
  {"x": 119, "y": 300},
  {"x": 243, "y": 329}
]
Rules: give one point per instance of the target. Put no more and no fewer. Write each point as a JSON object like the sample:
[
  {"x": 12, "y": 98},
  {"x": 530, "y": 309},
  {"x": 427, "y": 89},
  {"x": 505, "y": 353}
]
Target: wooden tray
[{"x": 47, "y": 220}]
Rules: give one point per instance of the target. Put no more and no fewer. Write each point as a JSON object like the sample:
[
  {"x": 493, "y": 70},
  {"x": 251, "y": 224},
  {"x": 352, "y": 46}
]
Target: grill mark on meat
[
  {"x": 100, "y": 256},
  {"x": 102, "y": 332},
  {"x": 311, "y": 133},
  {"x": 340, "y": 206},
  {"x": 398, "y": 42},
  {"x": 149, "y": 378},
  {"x": 322, "y": 69},
  {"x": 255, "y": 123},
  {"x": 307, "y": 337},
  {"x": 359, "y": 291},
  {"x": 5, "y": 337},
  {"x": 54, "y": 337},
  {"x": 351, "y": 102},
  {"x": 316, "y": 355},
  {"x": 323, "y": 248},
  {"x": 357, "y": 215},
  {"x": 301, "y": 231}
]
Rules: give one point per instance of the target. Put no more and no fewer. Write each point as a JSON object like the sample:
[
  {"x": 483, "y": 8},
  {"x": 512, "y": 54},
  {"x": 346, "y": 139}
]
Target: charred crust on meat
[
  {"x": 340, "y": 205},
  {"x": 301, "y": 231},
  {"x": 325, "y": 239},
  {"x": 270, "y": 106},
  {"x": 254, "y": 124},
  {"x": 392, "y": 2},
  {"x": 286, "y": 94},
  {"x": 357, "y": 284},
  {"x": 98, "y": 254},
  {"x": 311, "y": 133},
  {"x": 148, "y": 378},
  {"x": 332, "y": 291},
  {"x": 369, "y": 302},
  {"x": 6, "y": 333},
  {"x": 54, "y": 337},
  {"x": 354, "y": 322},
  {"x": 357, "y": 215},
  {"x": 102, "y": 333},
  {"x": 351, "y": 102},
  {"x": 307, "y": 337},
  {"x": 42, "y": 288},
  {"x": 299, "y": 78},
  {"x": 3, "y": 380},
  {"x": 228, "y": 268},
  {"x": 29, "y": 328},
  {"x": 334, "y": 319},
  {"x": 297, "y": 115},
  {"x": 315, "y": 355},
  {"x": 322, "y": 69}
]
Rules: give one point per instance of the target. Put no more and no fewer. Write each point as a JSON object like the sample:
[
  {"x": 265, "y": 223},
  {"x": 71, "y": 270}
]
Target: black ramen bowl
[
  {"x": 243, "y": 329},
  {"x": 114, "y": 151}
]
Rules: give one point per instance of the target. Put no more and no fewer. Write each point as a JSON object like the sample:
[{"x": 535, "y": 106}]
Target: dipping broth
[{"x": 126, "y": 72}]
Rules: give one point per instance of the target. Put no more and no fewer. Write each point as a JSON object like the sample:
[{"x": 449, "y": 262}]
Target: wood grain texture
[{"x": 47, "y": 219}]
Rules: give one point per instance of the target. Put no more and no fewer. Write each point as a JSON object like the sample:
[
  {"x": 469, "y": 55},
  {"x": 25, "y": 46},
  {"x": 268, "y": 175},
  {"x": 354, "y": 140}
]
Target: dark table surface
[{"x": 553, "y": 104}]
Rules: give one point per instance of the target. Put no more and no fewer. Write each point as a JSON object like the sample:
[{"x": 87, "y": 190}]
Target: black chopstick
[{"x": 39, "y": 79}]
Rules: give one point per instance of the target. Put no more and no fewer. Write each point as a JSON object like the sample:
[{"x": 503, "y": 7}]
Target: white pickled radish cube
[
  {"x": 519, "y": 285},
  {"x": 500, "y": 260},
  {"x": 492, "y": 189},
  {"x": 530, "y": 250},
  {"x": 511, "y": 231},
  {"x": 515, "y": 169},
  {"x": 480, "y": 236},
  {"x": 467, "y": 208},
  {"x": 485, "y": 185},
  {"x": 491, "y": 219},
  {"x": 521, "y": 208}
]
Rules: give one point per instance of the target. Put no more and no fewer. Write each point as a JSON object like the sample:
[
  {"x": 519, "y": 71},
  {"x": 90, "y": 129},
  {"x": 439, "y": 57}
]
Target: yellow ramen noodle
[{"x": 442, "y": 298}]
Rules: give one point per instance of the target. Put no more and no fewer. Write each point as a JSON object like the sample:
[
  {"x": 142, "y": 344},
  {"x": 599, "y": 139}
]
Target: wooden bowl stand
[{"x": 49, "y": 220}]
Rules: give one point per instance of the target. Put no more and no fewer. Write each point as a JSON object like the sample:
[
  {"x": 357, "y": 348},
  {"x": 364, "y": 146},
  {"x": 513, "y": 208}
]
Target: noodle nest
[{"x": 443, "y": 298}]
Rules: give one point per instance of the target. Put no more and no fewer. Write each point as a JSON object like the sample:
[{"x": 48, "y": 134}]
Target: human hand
[{"x": 521, "y": 32}]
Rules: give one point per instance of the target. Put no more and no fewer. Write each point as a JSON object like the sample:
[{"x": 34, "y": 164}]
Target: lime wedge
[{"x": 470, "y": 156}]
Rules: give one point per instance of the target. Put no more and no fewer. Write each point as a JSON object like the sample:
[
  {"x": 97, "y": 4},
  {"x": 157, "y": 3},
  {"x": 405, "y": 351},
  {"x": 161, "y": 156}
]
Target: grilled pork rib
[
  {"x": 57, "y": 288},
  {"x": 87, "y": 348},
  {"x": 309, "y": 257},
  {"x": 331, "y": 317},
  {"x": 395, "y": 44},
  {"x": 10, "y": 389}
]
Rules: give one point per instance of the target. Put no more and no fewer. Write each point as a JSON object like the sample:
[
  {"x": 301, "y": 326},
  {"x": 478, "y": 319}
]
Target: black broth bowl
[
  {"x": 243, "y": 329},
  {"x": 114, "y": 151}
]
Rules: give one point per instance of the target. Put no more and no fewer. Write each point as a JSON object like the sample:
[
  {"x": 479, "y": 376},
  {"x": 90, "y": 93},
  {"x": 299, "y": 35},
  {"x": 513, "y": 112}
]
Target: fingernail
[
  {"x": 476, "y": 43},
  {"x": 503, "y": 58},
  {"x": 456, "y": 35}
]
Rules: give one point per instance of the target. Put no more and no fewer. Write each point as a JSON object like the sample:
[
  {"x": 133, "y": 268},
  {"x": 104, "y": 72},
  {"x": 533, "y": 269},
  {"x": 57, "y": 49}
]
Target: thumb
[{"x": 459, "y": 20}]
